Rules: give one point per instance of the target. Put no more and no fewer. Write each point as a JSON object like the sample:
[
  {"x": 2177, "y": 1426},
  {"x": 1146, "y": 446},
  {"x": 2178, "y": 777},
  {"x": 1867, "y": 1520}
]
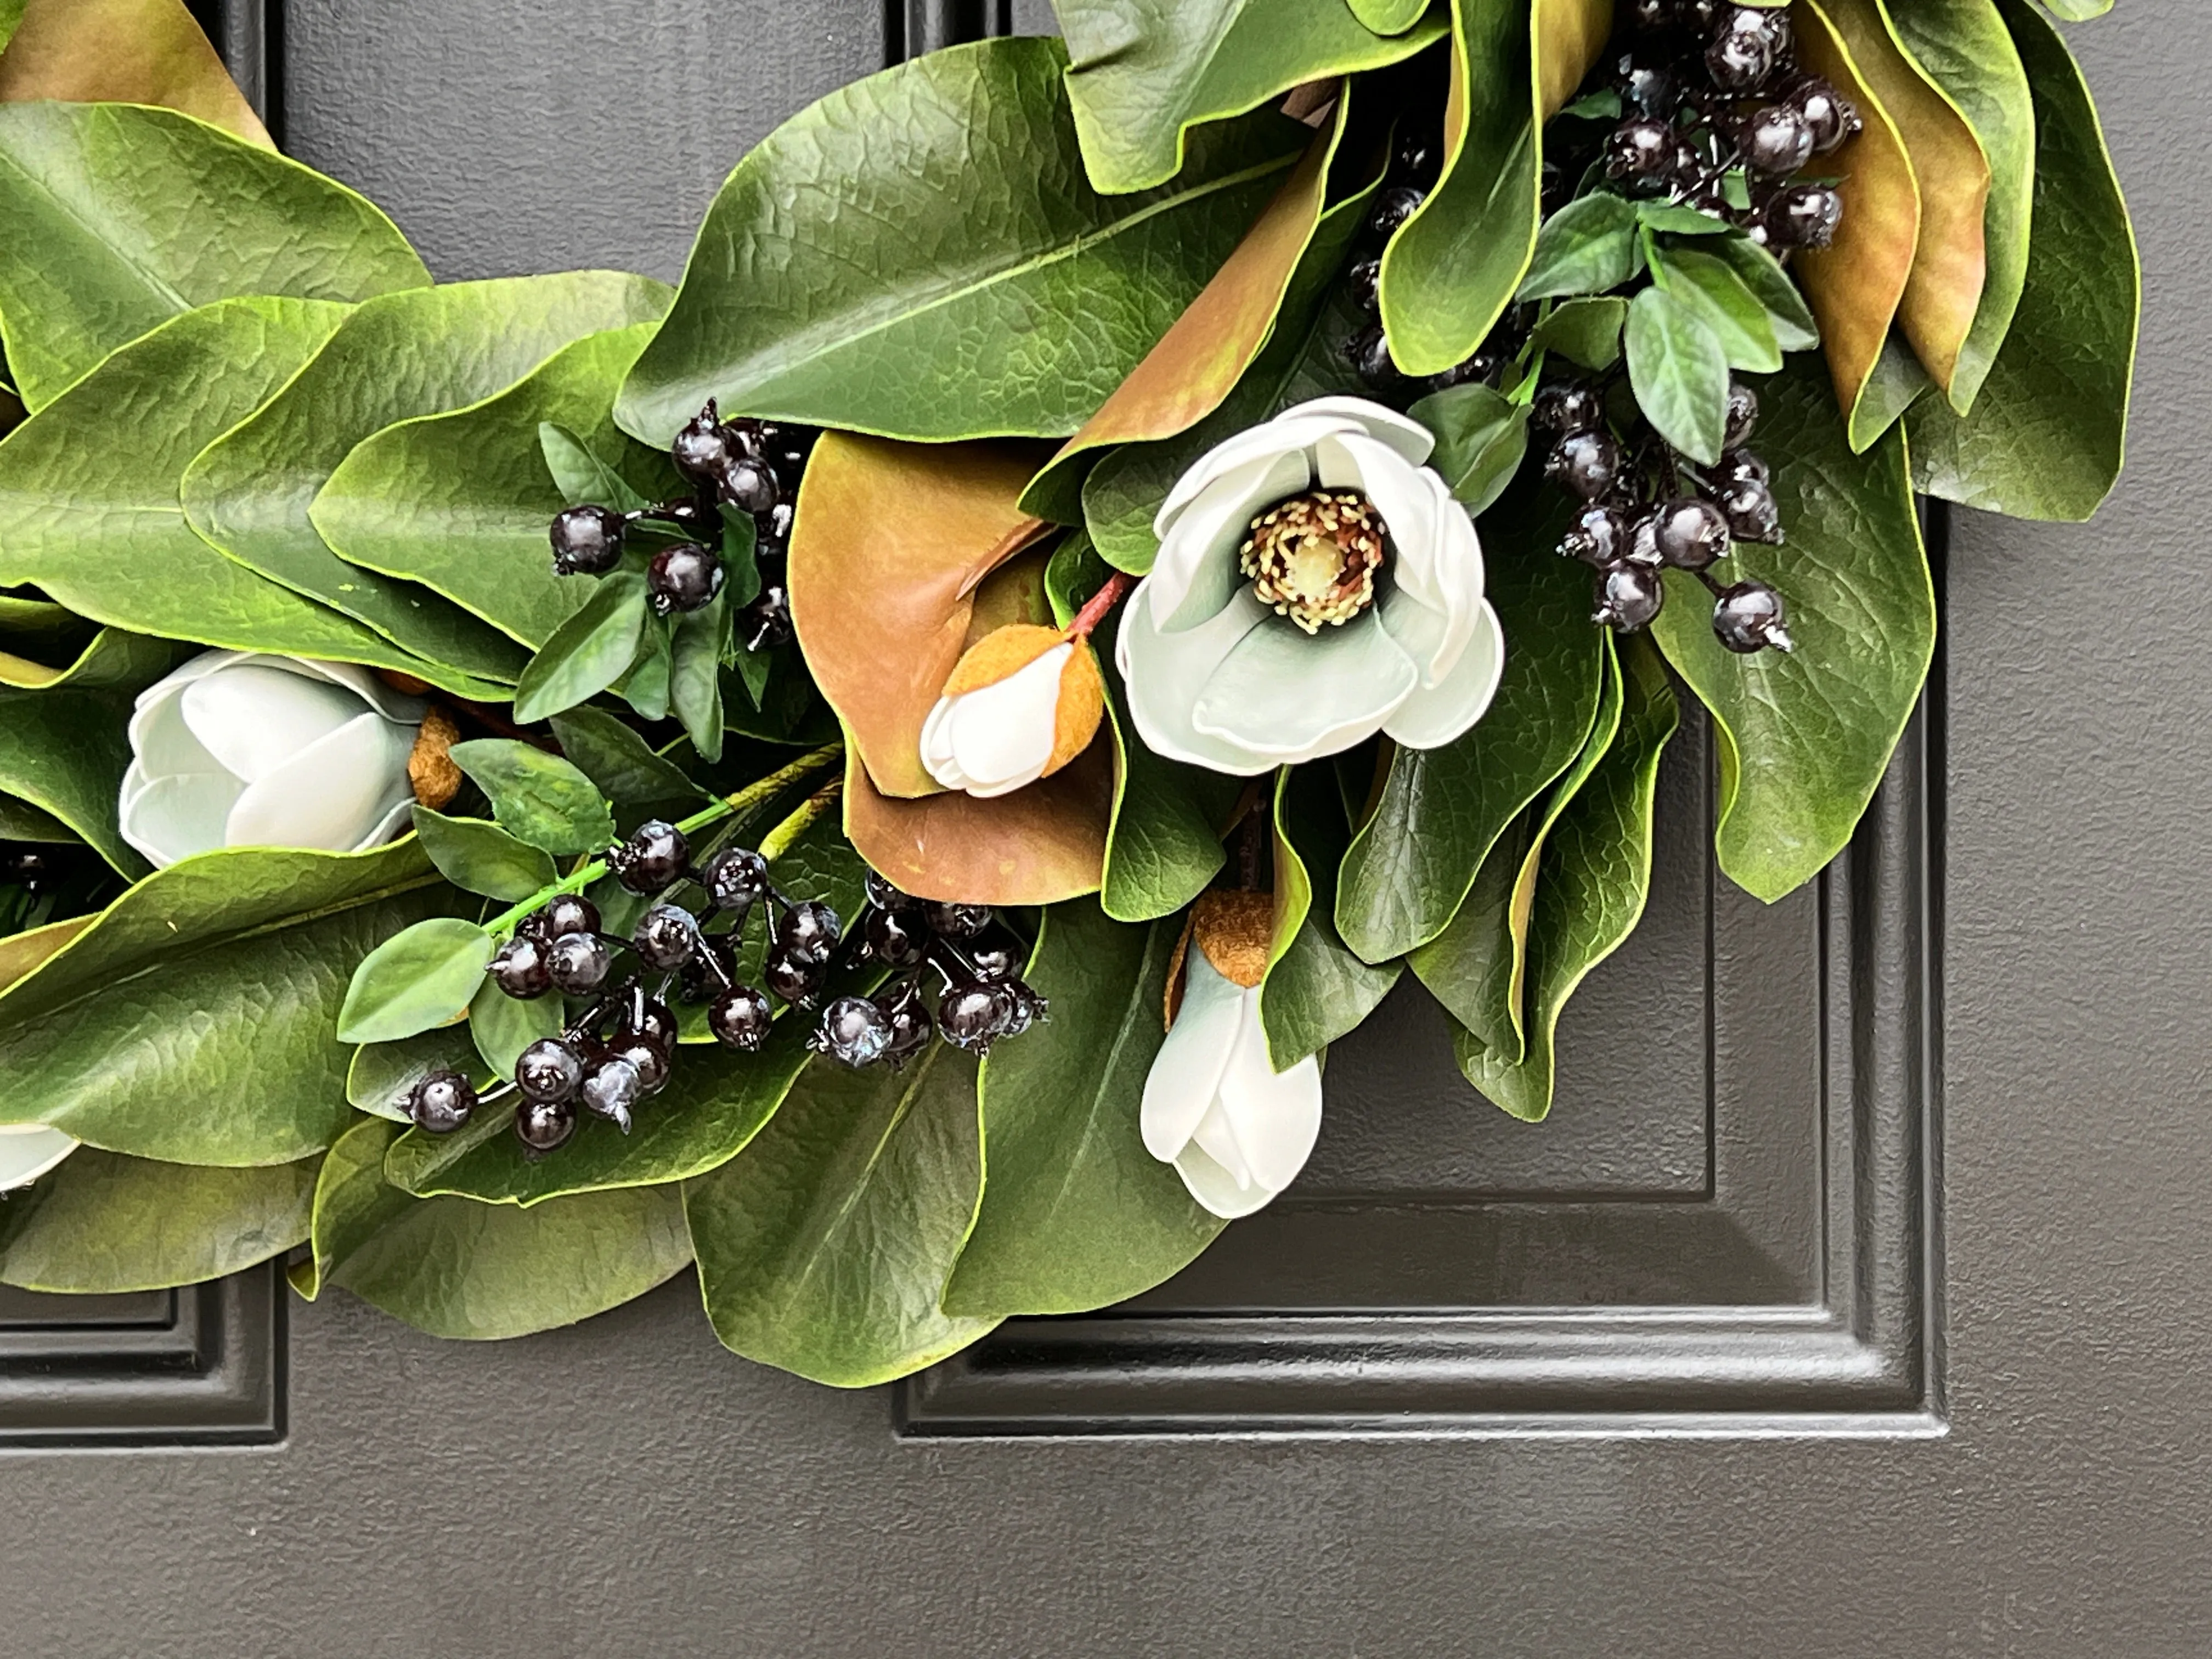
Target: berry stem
[
  {"x": 778, "y": 841},
  {"x": 1096, "y": 607}
]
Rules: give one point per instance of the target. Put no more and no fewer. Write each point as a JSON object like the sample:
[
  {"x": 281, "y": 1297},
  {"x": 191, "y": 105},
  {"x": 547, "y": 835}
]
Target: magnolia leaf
[
  {"x": 1596, "y": 872},
  {"x": 1076, "y": 1213},
  {"x": 695, "y": 674},
  {"x": 1857, "y": 284},
  {"x": 2049, "y": 433},
  {"x": 589, "y": 652},
  {"x": 251, "y": 492},
  {"x": 1389, "y": 16},
  {"x": 829, "y": 285},
  {"x": 382, "y": 1074},
  {"x": 478, "y": 857},
  {"x": 351, "y": 1201},
  {"x": 1439, "y": 810},
  {"x": 1723, "y": 301},
  {"x": 502, "y": 1026},
  {"x": 1481, "y": 437},
  {"x": 1146, "y": 75},
  {"x": 1315, "y": 989},
  {"x": 99, "y": 526},
  {"x": 1806, "y": 736},
  {"x": 100, "y": 1224},
  {"x": 1451, "y": 269},
  {"x": 1200, "y": 358},
  {"x": 114, "y": 218},
  {"x": 1589, "y": 246},
  {"x": 579, "y": 472},
  {"x": 1678, "y": 370},
  {"x": 537, "y": 797},
  {"x": 422, "y": 977},
  {"x": 22, "y": 952},
  {"x": 645, "y": 687},
  {"x": 123, "y": 52},
  {"x": 461, "y": 502},
  {"x": 823, "y": 1250},
  {"x": 1036, "y": 846},
  {"x": 1949, "y": 265},
  {"x": 622, "y": 763},
  {"x": 1587, "y": 331},
  {"x": 65, "y": 751},
  {"x": 222, "y": 1052}
]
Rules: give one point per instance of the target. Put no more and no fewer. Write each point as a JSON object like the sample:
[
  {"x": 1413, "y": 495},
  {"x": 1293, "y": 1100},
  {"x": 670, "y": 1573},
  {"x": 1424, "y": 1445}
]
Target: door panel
[{"x": 1691, "y": 1370}]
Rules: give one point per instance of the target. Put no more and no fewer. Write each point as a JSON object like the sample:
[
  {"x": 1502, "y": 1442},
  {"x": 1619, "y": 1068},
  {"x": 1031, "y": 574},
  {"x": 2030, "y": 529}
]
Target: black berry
[
  {"x": 684, "y": 577},
  {"x": 1747, "y": 617},
  {"x": 1651, "y": 89},
  {"x": 853, "y": 1030},
  {"x": 740, "y": 1018},
  {"x": 911, "y": 1027},
  {"x": 609, "y": 1089},
  {"x": 1832, "y": 118},
  {"x": 956, "y": 921},
  {"x": 665, "y": 937},
  {"x": 1691, "y": 534},
  {"x": 549, "y": 1070},
  {"x": 441, "y": 1102},
  {"x": 1598, "y": 536},
  {"x": 751, "y": 487},
  {"x": 894, "y": 938},
  {"x": 1804, "y": 215},
  {"x": 1741, "y": 466},
  {"x": 1752, "y": 514},
  {"x": 1391, "y": 210},
  {"x": 1641, "y": 151},
  {"x": 808, "y": 932},
  {"x": 647, "y": 1017},
  {"x": 765, "y": 623},
  {"x": 587, "y": 541},
  {"x": 1586, "y": 463},
  {"x": 578, "y": 964},
  {"x": 1362, "y": 282},
  {"x": 1369, "y": 354},
  {"x": 1777, "y": 141},
  {"x": 653, "y": 858},
  {"x": 1629, "y": 596},
  {"x": 885, "y": 896},
  {"x": 968, "y": 1015},
  {"x": 1741, "y": 56},
  {"x": 564, "y": 913},
  {"x": 1742, "y": 413},
  {"x": 795, "y": 979},
  {"x": 992, "y": 965},
  {"x": 541, "y": 1125},
  {"x": 704, "y": 447},
  {"x": 520, "y": 968},
  {"x": 647, "y": 1057},
  {"x": 737, "y": 879},
  {"x": 1566, "y": 406}
]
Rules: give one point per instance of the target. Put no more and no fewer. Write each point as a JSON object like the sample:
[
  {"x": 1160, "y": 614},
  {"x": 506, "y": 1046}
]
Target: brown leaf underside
[
  {"x": 129, "y": 52},
  {"x": 1037, "y": 846}
]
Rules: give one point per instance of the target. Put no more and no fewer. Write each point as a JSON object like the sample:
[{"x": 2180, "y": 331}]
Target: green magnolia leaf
[
  {"x": 2049, "y": 431},
  {"x": 695, "y": 674},
  {"x": 64, "y": 751},
  {"x": 829, "y": 285},
  {"x": 2079, "y": 11},
  {"x": 351, "y": 1201},
  {"x": 1145, "y": 73},
  {"x": 478, "y": 857},
  {"x": 1787, "y": 314},
  {"x": 1481, "y": 435},
  {"x": 1076, "y": 1213},
  {"x": 622, "y": 763},
  {"x": 647, "y": 687},
  {"x": 823, "y": 1250},
  {"x": 1806, "y": 736},
  {"x": 589, "y": 652},
  {"x": 1723, "y": 301},
  {"x": 537, "y": 797},
  {"x": 1315, "y": 989},
  {"x": 580, "y": 473},
  {"x": 1589, "y": 246},
  {"x": 1440, "y": 809},
  {"x": 1596, "y": 873},
  {"x": 1586, "y": 331},
  {"x": 417, "y": 979},
  {"x": 502, "y": 1026},
  {"x": 382, "y": 1074},
  {"x": 194, "y": 1020},
  {"x": 99, "y": 526},
  {"x": 1678, "y": 370},
  {"x": 114, "y": 218},
  {"x": 461, "y": 502},
  {"x": 251, "y": 492},
  {"x": 485, "y": 1272},
  {"x": 100, "y": 1224}
]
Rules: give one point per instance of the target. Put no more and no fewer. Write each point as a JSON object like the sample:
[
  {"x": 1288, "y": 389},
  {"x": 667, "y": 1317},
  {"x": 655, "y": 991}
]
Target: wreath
[{"x": 881, "y": 771}]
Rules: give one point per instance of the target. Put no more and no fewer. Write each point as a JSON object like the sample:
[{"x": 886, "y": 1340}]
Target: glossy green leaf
[
  {"x": 1680, "y": 218},
  {"x": 351, "y": 1201},
  {"x": 647, "y": 687},
  {"x": 1588, "y": 247},
  {"x": 1440, "y": 809},
  {"x": 224, "y": 1049},
  {"x": 581, "y": 473},
  {"x": 64, "y": 751},
  {"x": 1145, "y": 73},
  {"x": 824, "y": 1249},
  {"x": 1806, "y": 737},
  {"x": 1481, "y": 435},
  {"x": 99, "y": 526},
  {"x": 1678, "y": 370},
  {"x": 2049, "y": 433},
  {"x": 1595, "y": 875},
  {"x": 483, "y": 1271},
  {"x": 538, "y": 796},
  {"x": 251, "y": 493},
  {"x": 1315, "y": 989},
  {"x": 461, "y": 502},
  {"x": 502, "y": 1026},
  {"x": 421, "y": 977},
  {"x": 101, "y": 1222},
  {"x": 589, "y": 652},
  {"x": 114, "y": 218},
  {"x": 381, "y": 1075},
  {"x": 1389, "y": 16},
  {"x": 626, "y": 768},
  {"x": 1787, "y": 314},
  {"x": 1586, "y": 331},
  {"x": 478, "y": 857},
  {"x": 695, "y": 674},
  {"x": 1723, "y": 301},
  {"x": 829, "y": 285},
  {"x": 2079, "y": 11},
  {"x": 1076, "y": 1213}
]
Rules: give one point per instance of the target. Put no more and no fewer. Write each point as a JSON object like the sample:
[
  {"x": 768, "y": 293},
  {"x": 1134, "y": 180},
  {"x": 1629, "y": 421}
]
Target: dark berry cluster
[
  {"x": 1715, "y": 113},
  {"x": 1644, "y": 507},
  {"x": 736, "y": 466},
  {"x": 980, "y": 996}
]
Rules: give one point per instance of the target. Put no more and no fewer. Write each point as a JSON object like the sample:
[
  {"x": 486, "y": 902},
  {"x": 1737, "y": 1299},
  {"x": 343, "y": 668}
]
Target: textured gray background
[{"x": 626, "y": 1488}]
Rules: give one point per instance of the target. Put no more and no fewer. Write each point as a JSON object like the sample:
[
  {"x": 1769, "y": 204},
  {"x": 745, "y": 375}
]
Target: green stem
[
  {"x": 774, "y": 844},
  {"x": 752, "y": 795}
]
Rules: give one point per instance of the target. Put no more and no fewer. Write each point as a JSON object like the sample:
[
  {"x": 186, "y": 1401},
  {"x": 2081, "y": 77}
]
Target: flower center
[{"x": 1315, "y": 557}]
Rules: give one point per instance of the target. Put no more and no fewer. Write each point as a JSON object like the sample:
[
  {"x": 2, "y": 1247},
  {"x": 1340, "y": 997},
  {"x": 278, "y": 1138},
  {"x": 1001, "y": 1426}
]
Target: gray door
[{"x": 1855, "y": 1299}]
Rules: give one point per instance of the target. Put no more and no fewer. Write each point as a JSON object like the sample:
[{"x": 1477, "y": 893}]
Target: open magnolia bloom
[
  {"x": 1025, "y": 701},
  {"x": 1315, "y": 584},
  {"x": 1236, "y": 1130},
  {"x": 28, "y": 1150},
  {"x": 241, "y": 749}
]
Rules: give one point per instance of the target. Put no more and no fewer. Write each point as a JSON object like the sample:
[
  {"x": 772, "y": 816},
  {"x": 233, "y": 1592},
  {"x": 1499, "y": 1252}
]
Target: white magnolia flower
[
  {"x": 28, "y": 1150},
  {"x": 1022, "y": 703},
  {"x": 241, "y": 749},
  {"x": 1236, "y": 1130},
  {"x": 1315, "y": 584}
]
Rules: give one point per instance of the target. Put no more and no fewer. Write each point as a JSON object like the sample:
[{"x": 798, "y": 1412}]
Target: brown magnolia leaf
[
  {"x": 891, "y": 542},
  {"x": 1569, "y": 36},
  {"x": 124, "y": 52},
  {"x": 1949, "y": 264},
  {"x": 1199, "y": 361},
  {"x": 1856, "y": 286},
  {"x": 22, "y": 952},
  {"x": 1036, "y": 846}
]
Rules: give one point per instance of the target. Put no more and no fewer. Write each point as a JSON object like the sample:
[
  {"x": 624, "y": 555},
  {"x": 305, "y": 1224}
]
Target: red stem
[{"x": 1096, "y": 607}]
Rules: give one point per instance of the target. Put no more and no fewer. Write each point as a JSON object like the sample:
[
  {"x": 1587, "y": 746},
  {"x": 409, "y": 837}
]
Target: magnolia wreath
[{"x": 879, "y": 772}]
